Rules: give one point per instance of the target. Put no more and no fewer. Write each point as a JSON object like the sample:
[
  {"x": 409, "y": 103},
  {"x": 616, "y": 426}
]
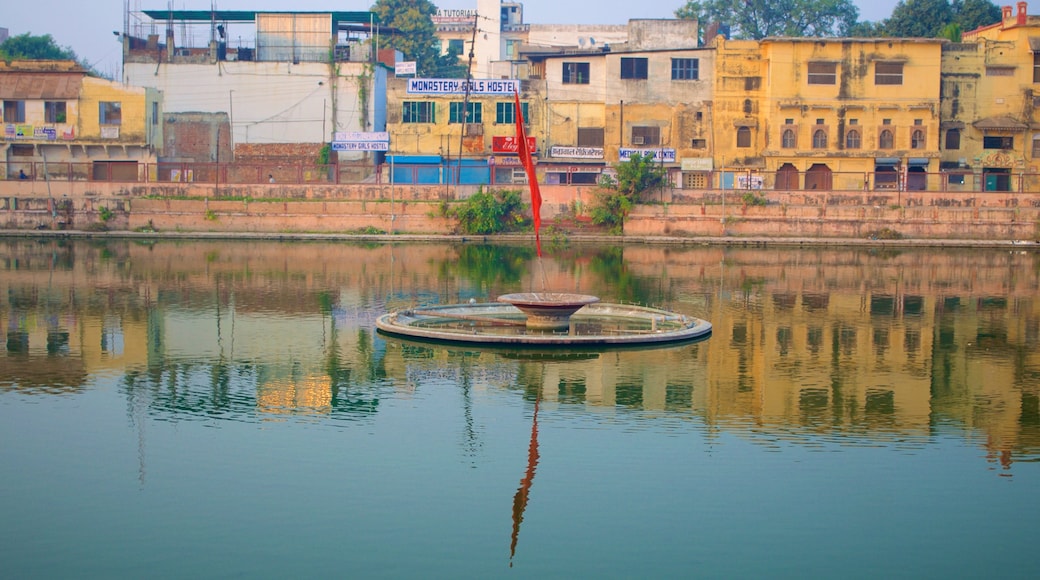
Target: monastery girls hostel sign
[{"x": 458, "y": 86}]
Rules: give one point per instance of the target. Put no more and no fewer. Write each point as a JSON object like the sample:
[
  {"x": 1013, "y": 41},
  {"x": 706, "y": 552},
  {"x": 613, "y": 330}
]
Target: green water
[{"x": 226, "y": 409}]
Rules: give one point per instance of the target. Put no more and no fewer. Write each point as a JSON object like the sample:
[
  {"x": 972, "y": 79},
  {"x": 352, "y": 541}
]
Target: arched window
[
  {"x": 789, "y": 140},
  {"x": 917, "y": 139},
  {"x": 819, "y": 139},
  {"x": 743, "y": 137},
  {"x": 885, "y": 140},
  {"x": 953, "y": 139},
  {"x": 852, "y": 139}
]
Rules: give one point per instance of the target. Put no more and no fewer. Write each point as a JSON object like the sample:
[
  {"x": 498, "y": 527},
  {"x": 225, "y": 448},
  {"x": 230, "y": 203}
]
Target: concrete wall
[{"x": 418, "y": 209}]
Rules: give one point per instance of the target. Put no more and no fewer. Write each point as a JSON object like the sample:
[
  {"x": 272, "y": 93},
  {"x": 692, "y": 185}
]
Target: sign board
[
  {"x": 511, "y": 145},
  {"x": 48, "y": 133},
  {"x": 577, "y": 152},
  {"x": 454, "y": 16},
  {"x": 459, "y": 86},
  {"x": 360, "y": 146},
  {"x": 504, "y": 161},
  {"x": 750, "y": 182},
  {"x": 661, "y": 155},
  {"x": 696, "y": 164},
  {"x": 109, "y": 131},
  {"x": 404, "y": 68},
  {"x": 24, "y": 131},
  {"x": 357, "y": 136}
]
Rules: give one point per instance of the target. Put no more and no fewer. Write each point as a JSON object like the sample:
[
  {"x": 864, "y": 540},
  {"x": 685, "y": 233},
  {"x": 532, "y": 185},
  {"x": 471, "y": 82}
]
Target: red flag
[{"x": 532, "y": 179}]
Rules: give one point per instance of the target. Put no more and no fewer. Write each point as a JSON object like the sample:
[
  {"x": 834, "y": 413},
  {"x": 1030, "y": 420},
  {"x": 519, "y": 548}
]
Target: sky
[{"x": 86, "y": 27}]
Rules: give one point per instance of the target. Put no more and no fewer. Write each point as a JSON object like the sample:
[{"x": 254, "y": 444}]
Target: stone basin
[{"x": 548, "y": 310}]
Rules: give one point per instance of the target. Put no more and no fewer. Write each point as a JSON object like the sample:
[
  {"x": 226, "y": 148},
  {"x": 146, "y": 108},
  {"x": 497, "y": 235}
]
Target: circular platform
[{"x": 592, "y": 324}]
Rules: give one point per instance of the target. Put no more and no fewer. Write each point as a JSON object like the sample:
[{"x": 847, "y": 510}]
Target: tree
[
  {"x": 971, "y": 14},
  {"x": 639, "y": 174},
  {"x": 919, "y": 18},
  {"x": 416, "y": 36},
  {"x": 757, "y": 19},
  {"x": 29, "y": 47}
]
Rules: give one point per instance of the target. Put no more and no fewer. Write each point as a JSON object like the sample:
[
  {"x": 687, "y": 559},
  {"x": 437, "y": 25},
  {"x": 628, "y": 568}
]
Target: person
[
  {"x": 22, "y": 175},
  {"x": 270, "y": 178}
]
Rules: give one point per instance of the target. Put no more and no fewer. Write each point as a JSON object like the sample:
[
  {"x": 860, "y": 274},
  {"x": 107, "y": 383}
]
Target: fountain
[{"x": 544, "y": 319}]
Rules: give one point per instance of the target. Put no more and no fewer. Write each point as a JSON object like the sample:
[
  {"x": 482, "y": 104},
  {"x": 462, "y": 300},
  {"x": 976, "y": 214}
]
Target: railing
[{"x": 479, "y": 174}]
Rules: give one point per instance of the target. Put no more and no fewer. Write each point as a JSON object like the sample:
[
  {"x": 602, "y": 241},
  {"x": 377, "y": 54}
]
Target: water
[{"x": 226, "y": 409}]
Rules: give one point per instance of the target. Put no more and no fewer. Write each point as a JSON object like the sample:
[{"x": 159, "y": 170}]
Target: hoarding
[{"x": 459, "y": 86}]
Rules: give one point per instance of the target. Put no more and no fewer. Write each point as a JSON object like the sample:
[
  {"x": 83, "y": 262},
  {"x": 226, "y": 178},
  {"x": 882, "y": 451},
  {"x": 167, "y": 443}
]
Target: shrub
[{"x": 491, "y": 213}]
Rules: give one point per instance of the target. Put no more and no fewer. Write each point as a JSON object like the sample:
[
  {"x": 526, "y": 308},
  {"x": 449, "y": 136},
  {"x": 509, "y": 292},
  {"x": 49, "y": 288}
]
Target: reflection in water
[
  {"x": 524, "y": 491},
  {"x": 809, "y": 346}
]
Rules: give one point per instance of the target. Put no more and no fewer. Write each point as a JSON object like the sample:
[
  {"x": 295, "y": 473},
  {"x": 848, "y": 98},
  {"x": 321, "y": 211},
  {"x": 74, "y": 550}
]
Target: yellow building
[
  {"x": 62, "y": 123},
  {"x": 428, "y": 128},
  {"x": 991, "y": 136},
  {"x": 834, "y": 113}
]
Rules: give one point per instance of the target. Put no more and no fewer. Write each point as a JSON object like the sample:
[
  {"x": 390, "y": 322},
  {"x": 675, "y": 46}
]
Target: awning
[
  {"x": 917, "y": 161},
  {"x": 886, "y": 161},
  {"x": 753, "y": 123},
  {"x": 1002, "y": 123},
  {"x": 1034, "y": 44}
]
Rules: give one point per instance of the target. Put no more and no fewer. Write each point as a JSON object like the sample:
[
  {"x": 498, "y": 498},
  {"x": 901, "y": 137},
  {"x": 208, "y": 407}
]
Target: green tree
[
  {"x": 29, "y": 47},
  {"x": 971, "y": 14},
  {"x": 757, "y": 19},
  {"x": 415, "y": 35},
  {"x": 919, "y": 18},
  {"x": 616, "y": 195}
]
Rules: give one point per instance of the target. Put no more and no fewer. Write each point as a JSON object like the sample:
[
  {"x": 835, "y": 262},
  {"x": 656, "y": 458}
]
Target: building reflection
[{"x": 857, "y": 344}]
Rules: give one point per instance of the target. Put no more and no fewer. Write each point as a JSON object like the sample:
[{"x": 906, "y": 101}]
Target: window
[
  {"x": 1000, "y": 71},
  {"x": 1036, "y": 67},
  {"x": 456, "y": 46},
  {"x": 789, "y": 139},
  {"x": 685, "y": 69},
  {"x": 418, "y": 112},
  {"x": 743, "y": 137},
  {"x": 646, "y": 135},
  {"x": 886, "y": 121},
  {"x": 506, "y": 113},
  {"x": 917, "y": 139},
  {"x": 819, "y": 139},
  {"x": 885, "y": 140},
  {"x": 953, "y": 139},
  {"x": 823, "y": 73},
  {"x": 110, "y": 113},
  {"x": 698, "y": 143},
  {"x": 455, "y": 113},
  {"x": 1036, "y": 146},
  {"x": 575, "y": 73},
  {"x": 888, "y": 73},
  {"x": 54, "y": 112},
  {"x": 155, "y": 113},
  {"x": 590, "y": 136},
  {"x": 998, "y": 142},
  {"x": 633, "y": 68},
  {"x": 853, "y": 139},
  {"x": 853, "y": 121},
  {"x": 14, "y": 111}
]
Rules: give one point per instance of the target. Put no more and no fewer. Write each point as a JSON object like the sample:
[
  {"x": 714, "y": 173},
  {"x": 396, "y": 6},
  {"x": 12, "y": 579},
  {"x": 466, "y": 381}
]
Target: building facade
[{"x": 61, "y": 124}]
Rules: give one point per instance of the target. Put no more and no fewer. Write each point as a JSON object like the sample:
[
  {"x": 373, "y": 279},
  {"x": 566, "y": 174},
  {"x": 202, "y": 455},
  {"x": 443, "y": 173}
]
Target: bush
[
  {"x": 754, "y": 198},
  {"x": 491, "y": 213},
  {"x": 616, "y": 196}
]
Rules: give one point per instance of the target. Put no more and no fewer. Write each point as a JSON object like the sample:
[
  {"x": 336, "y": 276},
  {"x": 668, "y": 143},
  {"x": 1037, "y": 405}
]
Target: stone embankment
[{"x": 404, "y": 209}]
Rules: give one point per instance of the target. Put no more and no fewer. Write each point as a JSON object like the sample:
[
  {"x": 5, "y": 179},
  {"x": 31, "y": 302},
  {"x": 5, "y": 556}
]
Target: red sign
[{"x": 510, "y": 145}]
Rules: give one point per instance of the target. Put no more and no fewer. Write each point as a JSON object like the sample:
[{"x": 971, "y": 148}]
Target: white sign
[
  {"x": 458, "y": 86},
  {"x": 360, "y": 146},
  {"x": 404, "y": 68},
  {"x": 696, "y": 163},
  {"x": 577, "y": 152},
  {"x": 361, "y": 136},
  {"x": 750, "y": 182},
  {"x": 663, "y": 155}
]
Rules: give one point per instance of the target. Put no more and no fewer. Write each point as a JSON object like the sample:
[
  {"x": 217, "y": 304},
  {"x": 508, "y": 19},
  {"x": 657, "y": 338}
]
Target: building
[
  {"x": 60, "y": 124},
  {"x": 602, "y": 105},
  {"x": 991, "y": 128},
  {"x": 828, "y": 113},
  {"x": 260, "y": 86}
]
